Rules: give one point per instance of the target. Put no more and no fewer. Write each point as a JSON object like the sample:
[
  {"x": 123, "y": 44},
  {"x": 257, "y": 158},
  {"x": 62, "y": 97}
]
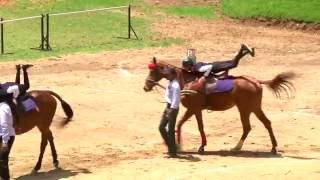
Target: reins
[{"x": 156, "y": 83}]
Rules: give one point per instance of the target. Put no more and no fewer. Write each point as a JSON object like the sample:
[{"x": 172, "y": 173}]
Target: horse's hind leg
[
  {"x": 244, "y": 115},
  {"x": 53, "y": 150},
  {"x": 267, "y": 124},
  {"x": 44, "y": 142}
]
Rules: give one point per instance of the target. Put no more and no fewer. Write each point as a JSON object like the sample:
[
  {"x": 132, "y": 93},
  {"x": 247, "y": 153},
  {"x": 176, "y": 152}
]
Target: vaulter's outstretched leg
[
  {"x": 18, "y": 68},
  {"x": 25, "y": 75},
  {"x": 226, "y": 65},
  {"x": 26, "y": 85}
]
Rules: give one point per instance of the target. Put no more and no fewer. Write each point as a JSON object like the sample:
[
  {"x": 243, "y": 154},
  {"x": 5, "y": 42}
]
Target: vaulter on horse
[
  {"x": 8, "y": 92},
  {"x": 207, "y": 69}
]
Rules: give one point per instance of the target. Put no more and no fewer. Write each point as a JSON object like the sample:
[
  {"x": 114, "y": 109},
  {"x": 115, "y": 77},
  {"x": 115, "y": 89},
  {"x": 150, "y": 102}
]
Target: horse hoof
[
  {"x": 178, "y": 147},
  {"x": 274, "y": 151},
  {"x": 34, "y": 172},
  {"x": 235, "y": 149},
  {"x": 201, "y": 150},
  {"x": 56, "y": 164}
]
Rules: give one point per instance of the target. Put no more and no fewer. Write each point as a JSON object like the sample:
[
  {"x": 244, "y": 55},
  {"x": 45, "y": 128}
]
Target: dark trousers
[
  {"x": 17, "y": 109},
  {"x": 4, "y": 159},
  {"x": 25, "y": 86},
  {"x": 169, "y": 117},
  {"x": 220, "y": 66}
]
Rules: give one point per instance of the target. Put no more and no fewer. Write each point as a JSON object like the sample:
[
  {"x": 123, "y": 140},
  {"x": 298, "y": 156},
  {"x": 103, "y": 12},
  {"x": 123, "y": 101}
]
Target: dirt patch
[
  {"x": 283, "y": 23},
  {"x": 6, "y": 3},
  {"x": 290, "y": 24},
  {"x": 114, "y": 133},
  {"x": 115, "y": 129}
]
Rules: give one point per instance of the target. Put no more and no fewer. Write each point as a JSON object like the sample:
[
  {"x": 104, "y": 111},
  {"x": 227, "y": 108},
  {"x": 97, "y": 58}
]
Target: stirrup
[{"x": 209, "y": 109}]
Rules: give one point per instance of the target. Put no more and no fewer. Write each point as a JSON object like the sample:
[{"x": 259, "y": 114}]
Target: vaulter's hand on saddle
[{"x": 211, "y": 72}]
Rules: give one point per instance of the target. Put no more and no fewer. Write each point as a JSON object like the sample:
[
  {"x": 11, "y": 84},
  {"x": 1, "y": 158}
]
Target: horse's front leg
[
  {"x": 184, "y": 118},
  {"x": 203, "y": 135}
]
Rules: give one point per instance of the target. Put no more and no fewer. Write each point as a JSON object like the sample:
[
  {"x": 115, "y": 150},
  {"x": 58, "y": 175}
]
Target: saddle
[
  {"x": 212, "y": 85},
  {"x": 25, "y": 103},
  {"x": 219, "y": 85}
]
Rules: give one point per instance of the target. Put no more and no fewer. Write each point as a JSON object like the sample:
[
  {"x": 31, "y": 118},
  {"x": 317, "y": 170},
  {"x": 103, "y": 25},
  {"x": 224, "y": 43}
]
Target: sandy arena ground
[{"x": 114, "y": 133}]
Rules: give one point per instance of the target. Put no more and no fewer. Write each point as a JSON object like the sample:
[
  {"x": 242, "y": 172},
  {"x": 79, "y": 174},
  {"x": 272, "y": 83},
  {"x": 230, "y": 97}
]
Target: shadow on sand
[
  {"x": 53, "y": 174},
  {"x": 188, "y": 157},
  {"x": 247, "y": 154}
]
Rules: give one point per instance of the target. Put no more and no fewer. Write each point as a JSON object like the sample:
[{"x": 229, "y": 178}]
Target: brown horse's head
[{"x": 155, "y": 74}]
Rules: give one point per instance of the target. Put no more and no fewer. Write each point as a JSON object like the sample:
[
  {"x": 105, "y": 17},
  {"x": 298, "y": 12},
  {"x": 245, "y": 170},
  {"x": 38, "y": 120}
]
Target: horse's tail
[
  {"x": 65, "y": 106},
  {"x": 281, "y": 83}
]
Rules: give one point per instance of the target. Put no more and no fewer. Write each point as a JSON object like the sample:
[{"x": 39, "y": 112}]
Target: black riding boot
[
  {"x": 18, "y": 67},
  {"x": 25, "y": 75}
]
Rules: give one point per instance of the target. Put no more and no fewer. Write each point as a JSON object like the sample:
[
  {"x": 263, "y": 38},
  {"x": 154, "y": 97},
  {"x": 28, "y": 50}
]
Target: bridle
[{"x": 155, "y": 83}]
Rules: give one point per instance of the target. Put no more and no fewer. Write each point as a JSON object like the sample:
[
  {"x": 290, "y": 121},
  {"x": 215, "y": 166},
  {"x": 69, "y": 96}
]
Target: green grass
[
  {"x": 201, "y": 12},
  {"x": 22, "y": 8},
  {"x": 89, "y": 32},
  {"x": 300, "y": 10}
]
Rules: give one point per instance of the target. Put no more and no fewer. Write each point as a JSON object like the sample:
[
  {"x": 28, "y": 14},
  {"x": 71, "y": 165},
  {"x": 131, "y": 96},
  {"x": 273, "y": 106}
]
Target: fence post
[
  {"x": 2, "y": 38},
  {"x": 129, "y": 21},
  {"x": 47, "y": 34},
  {"x": 42, "y": 32},
  {"x": 130, "y": 28}
]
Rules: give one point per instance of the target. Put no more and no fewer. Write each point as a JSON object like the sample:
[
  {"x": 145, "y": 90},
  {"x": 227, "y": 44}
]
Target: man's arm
[
  {"x": 205, "y": 68},
  {"x": 4, "y": 127}
]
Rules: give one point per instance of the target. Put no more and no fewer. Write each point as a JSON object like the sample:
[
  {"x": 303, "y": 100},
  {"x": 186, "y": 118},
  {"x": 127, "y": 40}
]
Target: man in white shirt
[
  {"x": 7, "y": 131},
  {"x": 172, "y": 96}
]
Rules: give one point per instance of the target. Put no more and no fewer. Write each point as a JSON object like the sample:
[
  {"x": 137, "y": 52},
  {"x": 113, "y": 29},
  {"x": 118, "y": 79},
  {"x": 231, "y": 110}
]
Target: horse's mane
[{"x": 164, "y": 63}]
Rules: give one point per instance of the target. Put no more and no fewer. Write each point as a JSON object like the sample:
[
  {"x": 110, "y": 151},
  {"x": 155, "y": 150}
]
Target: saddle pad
[
  {"x": 223, "y": 85},
  {"x": 28, "y": 105}
]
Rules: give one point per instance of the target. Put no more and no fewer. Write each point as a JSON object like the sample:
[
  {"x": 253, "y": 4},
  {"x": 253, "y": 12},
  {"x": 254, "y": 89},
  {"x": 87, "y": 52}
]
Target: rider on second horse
[
  {"x": 17, "y": 108},
  {"x": 8, "y": 92},
  {"x": 206, "y": 69}
]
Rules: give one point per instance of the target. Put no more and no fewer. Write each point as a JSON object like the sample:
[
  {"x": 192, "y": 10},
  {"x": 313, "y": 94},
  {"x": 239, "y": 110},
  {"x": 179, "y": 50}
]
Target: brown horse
[
  {"x": 246, "y": 95},
  {"x": 42, "y": 119}
]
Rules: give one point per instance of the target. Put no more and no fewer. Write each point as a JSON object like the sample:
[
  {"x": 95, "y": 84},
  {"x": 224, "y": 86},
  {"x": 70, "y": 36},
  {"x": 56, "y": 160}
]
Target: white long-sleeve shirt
[
  {"x": 172, "y": 94},
  {"x": 205, "y": 68},
  {"x": 6, "y": 122}
]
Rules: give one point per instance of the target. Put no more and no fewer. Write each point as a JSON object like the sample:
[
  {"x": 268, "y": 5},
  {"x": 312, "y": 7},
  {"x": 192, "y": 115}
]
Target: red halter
[{"x": 152, "y": 66}]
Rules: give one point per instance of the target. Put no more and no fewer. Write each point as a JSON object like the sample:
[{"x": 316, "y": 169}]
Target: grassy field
[
  {"x": 201, "y": 12},
  {"x": 301, "y": 10},
  {"x": 89, "y": 32},
  {"x": 94, "y": 32}
]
